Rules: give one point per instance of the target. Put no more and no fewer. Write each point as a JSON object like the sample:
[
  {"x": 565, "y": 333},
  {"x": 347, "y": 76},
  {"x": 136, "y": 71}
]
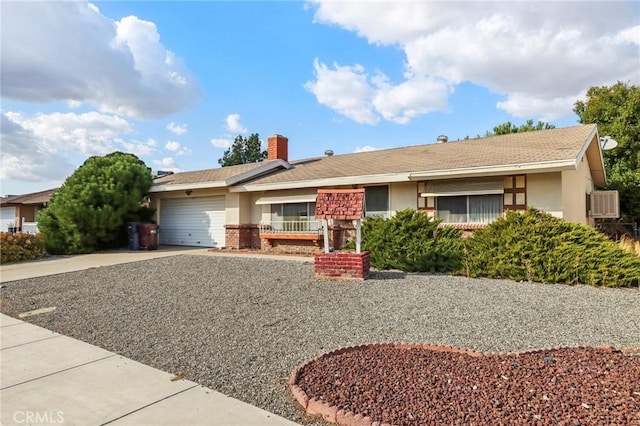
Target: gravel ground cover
[{"x": 240, "y": 325}]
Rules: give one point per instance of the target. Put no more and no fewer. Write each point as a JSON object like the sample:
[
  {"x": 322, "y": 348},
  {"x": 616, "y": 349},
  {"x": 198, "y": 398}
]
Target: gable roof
[
  {"x": 539, "y": 151},
  {"x": 212, "y": 178},
  {"x": 529, "y": 152},
  {"x": 41, "y": 197}
]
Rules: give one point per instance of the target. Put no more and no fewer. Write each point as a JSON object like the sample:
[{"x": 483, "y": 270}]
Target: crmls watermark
[{"x": 39, "y": 417}]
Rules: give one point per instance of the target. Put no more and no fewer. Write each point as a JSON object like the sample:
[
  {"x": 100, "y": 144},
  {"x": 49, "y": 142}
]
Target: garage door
[
  {"x": 197, "y": 221},
  {"x": 7, "y": 217}
]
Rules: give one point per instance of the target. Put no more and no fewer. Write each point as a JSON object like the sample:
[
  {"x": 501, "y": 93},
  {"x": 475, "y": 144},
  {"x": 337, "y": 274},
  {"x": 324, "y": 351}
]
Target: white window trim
[{"x": 287, "y": 199}]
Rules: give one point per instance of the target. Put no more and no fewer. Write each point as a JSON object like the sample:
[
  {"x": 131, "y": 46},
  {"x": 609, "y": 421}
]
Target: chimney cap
[
  {"x": 328, "y": 152},
  {"x": 442, "y": 139}
]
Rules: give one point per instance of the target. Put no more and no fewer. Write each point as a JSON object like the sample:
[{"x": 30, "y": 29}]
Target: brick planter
[{"x": 342, "y": 265}]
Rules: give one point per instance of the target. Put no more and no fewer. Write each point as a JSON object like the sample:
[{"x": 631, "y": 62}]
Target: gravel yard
[{"x": 240, "y": 325}]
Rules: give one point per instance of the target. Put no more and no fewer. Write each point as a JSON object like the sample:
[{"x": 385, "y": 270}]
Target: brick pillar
[
  {"x": 342, "y": 265},
  {"x": 239, "y": 236}
]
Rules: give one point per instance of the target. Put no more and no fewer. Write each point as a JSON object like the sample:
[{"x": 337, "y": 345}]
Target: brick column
[{"x": 342, "y": 265}]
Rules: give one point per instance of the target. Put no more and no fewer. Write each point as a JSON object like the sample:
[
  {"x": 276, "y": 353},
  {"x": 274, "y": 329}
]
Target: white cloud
[
  {"x": 140, "y": 149},
  {"x": 366, "y": 148},
  {"x": 233, "y": 124},
  {"x": 177, "y": 129},
  {"x": 48, "y": 147},
  {"x": 221, "y": 142},
  {"x": 88, "y": 134},
  {"x": 539, "y": 58},
  {"x": 345, "y": 89},
  {"x": 24, "y": 160},
  {"x": 168, "y": 164},
  {"x": 176, "y": 147},
  {"x": 68, "y": 51}
]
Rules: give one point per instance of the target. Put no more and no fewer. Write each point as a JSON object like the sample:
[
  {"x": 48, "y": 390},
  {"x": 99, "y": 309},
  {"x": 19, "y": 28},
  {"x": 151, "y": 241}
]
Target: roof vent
[
  {"x": 442, "y": 139},
  {"x": 328, "y": 153}
]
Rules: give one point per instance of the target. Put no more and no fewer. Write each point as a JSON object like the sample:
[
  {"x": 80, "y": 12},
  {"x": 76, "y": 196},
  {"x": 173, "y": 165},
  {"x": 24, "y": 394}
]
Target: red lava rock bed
[{"x": 404, "y": 384}]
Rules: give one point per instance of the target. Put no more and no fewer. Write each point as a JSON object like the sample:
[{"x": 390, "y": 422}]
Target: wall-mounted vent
[{"x": 605, "y": 205}]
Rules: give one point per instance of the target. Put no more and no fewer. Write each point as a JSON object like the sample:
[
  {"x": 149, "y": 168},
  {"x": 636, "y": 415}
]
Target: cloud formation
[
  {"x": 167, "y": 164},
  {"x": 176, "y": 147},
  {"x": 44, "y": 147},
  {"x": 70, "y": 52},
  {"x": 540, "y": 58},
  {"x": 177, "y": 129},
  {"x": 233, "y": 124},
  {"x": 221, "y": 142}
]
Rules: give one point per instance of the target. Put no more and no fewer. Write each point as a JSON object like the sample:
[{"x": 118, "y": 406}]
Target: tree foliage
[
  {"x": 616, "y": 111},
  {"x": 92, "y": 207},
  {"x": 243, "y": 151},
  {"x": 507, "y": 128}
]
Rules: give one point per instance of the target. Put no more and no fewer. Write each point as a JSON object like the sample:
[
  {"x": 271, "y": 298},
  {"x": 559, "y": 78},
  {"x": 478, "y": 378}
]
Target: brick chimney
[{"x": 278, "y": 148}]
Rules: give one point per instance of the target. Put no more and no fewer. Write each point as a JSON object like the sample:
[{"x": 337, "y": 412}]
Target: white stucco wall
[
  {"x": 544, "y": 192},
  {"x": 576, "y": 184},
  {"x": 403, "y": 195}
]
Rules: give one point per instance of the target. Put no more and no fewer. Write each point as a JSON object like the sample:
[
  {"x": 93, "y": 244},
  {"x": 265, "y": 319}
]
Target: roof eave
[
  {"x": 185, "y": 186},
  {"x": 496, "y": 170},
  {"x": 230, "y": 181},
  {"x": 326, "y": 182}
]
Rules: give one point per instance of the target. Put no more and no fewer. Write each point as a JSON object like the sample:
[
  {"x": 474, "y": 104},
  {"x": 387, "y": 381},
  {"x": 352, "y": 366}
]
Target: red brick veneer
[
  {"x": 343, "y": 265},
  {"x": 241, "y": 236}
]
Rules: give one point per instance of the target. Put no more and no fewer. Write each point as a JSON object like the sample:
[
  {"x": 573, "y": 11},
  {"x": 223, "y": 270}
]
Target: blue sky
[{"x": 175, "y": 82}]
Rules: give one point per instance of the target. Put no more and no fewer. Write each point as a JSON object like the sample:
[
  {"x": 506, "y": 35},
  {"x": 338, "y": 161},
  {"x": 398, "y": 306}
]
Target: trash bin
[
  {"x": 148, "y": 236},
  {"x": 134, "y": 238}
]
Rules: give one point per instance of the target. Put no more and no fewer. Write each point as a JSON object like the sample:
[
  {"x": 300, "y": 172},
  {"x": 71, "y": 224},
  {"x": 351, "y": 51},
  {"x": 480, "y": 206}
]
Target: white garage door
[
  {"x": 197, "y": 221},
  {"x": 7, "y": 217}
]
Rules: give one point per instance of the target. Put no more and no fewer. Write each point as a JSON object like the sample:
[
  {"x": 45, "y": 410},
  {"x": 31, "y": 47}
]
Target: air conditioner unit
[{"x": 605, "y": 205}]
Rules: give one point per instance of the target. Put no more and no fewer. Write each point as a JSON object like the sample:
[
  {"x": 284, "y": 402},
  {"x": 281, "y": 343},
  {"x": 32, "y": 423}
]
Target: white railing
[
  {"x": 291, "y": 227},
  {"x": 30, "y": 227}
]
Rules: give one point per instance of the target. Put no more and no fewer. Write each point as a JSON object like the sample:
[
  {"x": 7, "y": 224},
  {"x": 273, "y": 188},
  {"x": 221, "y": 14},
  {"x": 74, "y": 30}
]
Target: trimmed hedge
[
  {"x": 412, "y": 242},
  {"x": 535, "y": 246},
  {"x": 17, "y": 247}
]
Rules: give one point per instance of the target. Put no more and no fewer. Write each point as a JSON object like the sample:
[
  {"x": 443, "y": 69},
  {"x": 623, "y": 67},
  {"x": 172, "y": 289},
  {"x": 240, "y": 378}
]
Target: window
[
  {"x": 294, "y": 217},
  {"x": 469, "y": 208},
  {"x": 376, "y": 201}
]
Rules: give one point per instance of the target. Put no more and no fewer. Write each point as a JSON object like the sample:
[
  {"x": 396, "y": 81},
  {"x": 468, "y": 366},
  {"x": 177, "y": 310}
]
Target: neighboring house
[
  {"x": 466, "y": 183},
  {"x": 19, "y": 211}
]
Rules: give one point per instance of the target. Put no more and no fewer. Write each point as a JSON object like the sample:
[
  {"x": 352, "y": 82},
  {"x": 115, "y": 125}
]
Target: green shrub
[
  {"x": 92, "y": 207},
  {"x": 412, "y": 242},
  {"x": 536, "y": 246},
  {"x": 17, "y": 247}
]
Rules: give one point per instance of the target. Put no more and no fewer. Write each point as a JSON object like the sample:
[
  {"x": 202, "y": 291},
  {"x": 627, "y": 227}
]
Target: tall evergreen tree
[
  {"x": 93, "y": 205},
  {"x": 243, "y": 151}
]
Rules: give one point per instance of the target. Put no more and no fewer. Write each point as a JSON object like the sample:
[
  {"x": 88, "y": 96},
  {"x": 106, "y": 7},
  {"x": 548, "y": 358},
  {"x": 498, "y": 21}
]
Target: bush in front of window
[
  {"x": 536, "y": 246},
  {"x": 412, "y": 242}
]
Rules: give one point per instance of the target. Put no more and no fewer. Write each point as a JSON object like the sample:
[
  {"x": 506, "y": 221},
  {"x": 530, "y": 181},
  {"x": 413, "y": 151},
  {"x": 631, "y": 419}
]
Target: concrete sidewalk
[{"x": 48, "y": 378}]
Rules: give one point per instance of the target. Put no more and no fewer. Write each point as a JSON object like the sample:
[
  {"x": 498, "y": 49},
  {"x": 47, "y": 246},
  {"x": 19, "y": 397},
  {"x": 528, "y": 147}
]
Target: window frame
[
  {"x": 467, "y": 214},
  {"x": 381, "y": 213}
]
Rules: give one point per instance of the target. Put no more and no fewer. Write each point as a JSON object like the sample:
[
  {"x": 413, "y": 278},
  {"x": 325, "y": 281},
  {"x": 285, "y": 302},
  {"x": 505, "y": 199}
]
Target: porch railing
[
  {"x": 291, "y": 227},
  {"x": 30, "y": 227}
]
